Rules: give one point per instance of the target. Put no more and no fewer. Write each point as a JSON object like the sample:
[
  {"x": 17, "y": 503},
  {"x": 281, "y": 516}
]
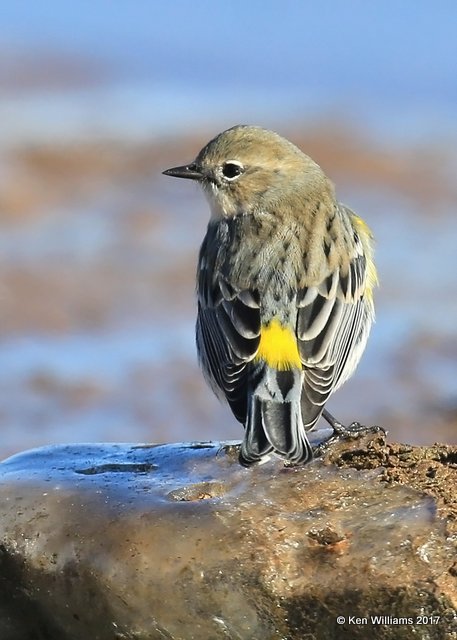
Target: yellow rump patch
[{"x": 278, "y": 347}]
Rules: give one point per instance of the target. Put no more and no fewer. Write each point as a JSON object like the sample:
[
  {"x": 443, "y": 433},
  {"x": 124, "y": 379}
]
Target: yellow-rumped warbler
[{"x": 285, "y": 288}]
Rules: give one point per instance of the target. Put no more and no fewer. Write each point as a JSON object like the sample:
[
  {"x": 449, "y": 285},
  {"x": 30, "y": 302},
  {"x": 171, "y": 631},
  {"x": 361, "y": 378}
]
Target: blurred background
[{"x": 98, "y": 249}]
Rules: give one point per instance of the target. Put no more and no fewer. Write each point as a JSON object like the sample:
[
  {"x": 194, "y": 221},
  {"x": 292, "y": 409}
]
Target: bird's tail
[{"x": 274, "y": 418}]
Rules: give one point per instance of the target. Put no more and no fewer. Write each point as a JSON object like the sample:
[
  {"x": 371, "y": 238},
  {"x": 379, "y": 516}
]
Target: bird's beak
[{"x": 189, "y": 171}]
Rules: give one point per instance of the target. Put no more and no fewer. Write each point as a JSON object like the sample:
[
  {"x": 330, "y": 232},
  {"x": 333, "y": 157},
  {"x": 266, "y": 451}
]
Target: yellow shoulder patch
[
  {"x": 362, "y": 225},
  {"x": 372, "y": 274},
  {"x": 372, "y": 279},
  {"x": 278, "y": 347}
]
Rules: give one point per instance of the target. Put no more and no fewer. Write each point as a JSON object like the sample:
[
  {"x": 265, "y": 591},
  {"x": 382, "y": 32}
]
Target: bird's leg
[
  {"x": 340, "y": 431},
  {"x": 354, "y": 430}
]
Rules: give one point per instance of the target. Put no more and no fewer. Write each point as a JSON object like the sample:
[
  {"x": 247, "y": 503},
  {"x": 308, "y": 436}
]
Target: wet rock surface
[{"x": 118, "y": 541}]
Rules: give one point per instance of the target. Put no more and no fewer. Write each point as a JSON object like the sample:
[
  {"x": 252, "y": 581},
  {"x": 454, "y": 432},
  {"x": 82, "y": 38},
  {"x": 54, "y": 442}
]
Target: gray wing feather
[
  {"x": 228, "y": 335},
  {"x": 333, "y": 323}
]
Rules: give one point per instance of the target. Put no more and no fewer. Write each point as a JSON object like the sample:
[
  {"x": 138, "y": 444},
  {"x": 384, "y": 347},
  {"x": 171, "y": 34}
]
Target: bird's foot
[
  {"x": 341, "y": 432},
  {"x": 354, "y": 430}
]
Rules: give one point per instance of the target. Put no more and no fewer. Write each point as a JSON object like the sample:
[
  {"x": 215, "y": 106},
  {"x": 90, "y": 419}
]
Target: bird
[{"x": 285, "y": 282}]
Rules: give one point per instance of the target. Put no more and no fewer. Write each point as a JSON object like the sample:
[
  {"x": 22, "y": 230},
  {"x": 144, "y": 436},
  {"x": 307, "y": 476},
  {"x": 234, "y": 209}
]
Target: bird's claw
[{"x": 354, "y": 431}]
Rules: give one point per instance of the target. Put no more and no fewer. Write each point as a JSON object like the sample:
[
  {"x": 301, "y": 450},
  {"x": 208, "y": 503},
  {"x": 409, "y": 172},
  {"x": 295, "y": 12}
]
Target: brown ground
[{"x": 431, "y": 470}]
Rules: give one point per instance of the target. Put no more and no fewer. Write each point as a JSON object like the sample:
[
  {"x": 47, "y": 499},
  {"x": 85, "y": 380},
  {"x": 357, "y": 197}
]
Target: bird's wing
[
  {"x": 333, "y": 323},
  {"x": 228, "y": 335}
]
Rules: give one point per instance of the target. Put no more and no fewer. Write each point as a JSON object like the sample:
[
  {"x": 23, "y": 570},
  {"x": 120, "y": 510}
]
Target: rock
[{"x": 117, "y": 541}]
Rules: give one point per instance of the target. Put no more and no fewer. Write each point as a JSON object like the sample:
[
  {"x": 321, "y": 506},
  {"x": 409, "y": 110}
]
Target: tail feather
[
  {"x": 277, "y": 423},
  {"x": 255, "y": 445},
  {"x": 274, "y": 421}
]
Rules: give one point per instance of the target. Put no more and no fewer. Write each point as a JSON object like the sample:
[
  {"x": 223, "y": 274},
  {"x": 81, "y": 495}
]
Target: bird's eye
[{"x": 232, "y": 169}]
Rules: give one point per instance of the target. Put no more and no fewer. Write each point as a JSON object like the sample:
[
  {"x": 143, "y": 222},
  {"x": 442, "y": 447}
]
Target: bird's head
[{"x": 247, "y": 169}]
